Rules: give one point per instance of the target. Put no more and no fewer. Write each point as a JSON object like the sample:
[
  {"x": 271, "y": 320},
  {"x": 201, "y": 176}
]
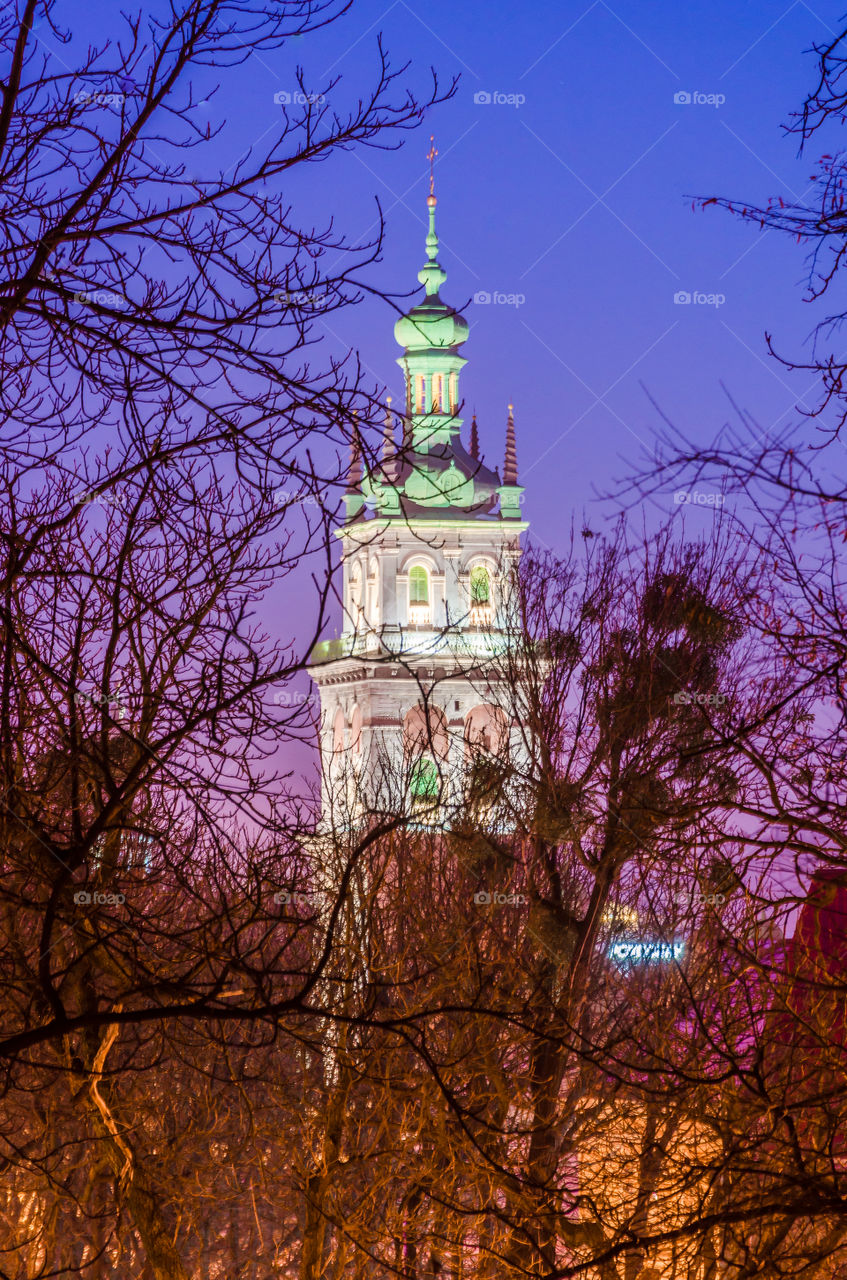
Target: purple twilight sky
[
  {"x": 567, "y": 164},
  {"x": 570, "y": 199}
]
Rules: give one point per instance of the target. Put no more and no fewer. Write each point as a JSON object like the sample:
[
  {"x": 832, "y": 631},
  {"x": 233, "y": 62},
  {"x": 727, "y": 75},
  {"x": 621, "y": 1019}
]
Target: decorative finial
[
  {"x": 474, "y": 438},
  {"x": 510, "y": 462},
  {"x": 431, "y": 154}
]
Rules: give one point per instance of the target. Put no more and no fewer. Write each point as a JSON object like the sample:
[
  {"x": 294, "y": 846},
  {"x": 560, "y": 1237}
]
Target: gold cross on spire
[{"x": 431, "y": 154}]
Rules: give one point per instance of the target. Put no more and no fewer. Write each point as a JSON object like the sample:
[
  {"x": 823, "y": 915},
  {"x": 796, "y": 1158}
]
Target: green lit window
[
  {"x": 418, "y": 586},
  {"x": 480, "y": 585},
  {"x": 425, "y": 783}
]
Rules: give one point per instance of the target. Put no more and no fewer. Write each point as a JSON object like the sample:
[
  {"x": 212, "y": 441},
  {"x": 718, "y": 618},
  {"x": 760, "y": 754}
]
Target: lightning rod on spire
[{"x": 430, "y": 155}]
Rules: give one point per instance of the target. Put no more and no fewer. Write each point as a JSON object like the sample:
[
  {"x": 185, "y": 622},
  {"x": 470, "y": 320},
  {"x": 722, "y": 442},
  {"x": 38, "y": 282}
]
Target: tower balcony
[
  {"x": 481, "y": 614},
  {"x": 458, "y": 643},
  {"x": 420, "y": 613}
]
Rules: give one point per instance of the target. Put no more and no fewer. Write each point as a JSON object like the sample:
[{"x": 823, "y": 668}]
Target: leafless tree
[
  {"x": 174, "y": 444},
  {"x": 819, "y": 224},
  {"x": 582, "y": 977}
]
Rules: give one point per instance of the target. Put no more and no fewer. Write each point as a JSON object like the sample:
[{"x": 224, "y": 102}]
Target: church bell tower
[{"x": 409, "y": 691}]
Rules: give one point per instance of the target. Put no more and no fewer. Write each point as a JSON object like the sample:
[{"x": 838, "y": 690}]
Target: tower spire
[
  {"x": 510, "y": 462},
  {"x": 474, "y": 438},
  {"x": 354, "y": 475},
  {"x": 431, "y": 333},
  {"x": 510, "y": 491},
  {"x": 354, "y": 499}
]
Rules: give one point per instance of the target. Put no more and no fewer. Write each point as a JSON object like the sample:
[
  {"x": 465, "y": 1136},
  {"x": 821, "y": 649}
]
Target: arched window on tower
[
  {"x": 333, "y": 762},
  {"x": 486, "y": 730},
  {"x": 454, "y": 393},
  {"x": 420, "y": 393},
  {"x": 481, "y": 612},
  {"x": 419, "y": 602},
  {"x": 353, "y": 769},
  {"x": 486, "y": 756},
  {"x": 338, "y": 736},
  {"x": 425, "y": 746},
  {"x": 373, "y": 594},
  {"x": 425, "y": 782},
  {"x": 356, "y": 733},
  {"x": 438, "y": 393},
  {"x": 356, "y": 601}
]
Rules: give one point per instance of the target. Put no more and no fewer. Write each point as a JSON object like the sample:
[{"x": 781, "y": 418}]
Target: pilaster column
[{"x": 452, "y": 594}]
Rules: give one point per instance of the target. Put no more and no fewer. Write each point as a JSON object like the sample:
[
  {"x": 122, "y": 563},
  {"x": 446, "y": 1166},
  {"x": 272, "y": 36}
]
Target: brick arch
[
  {"x": 483, "y": 558},
  {"x": 425, "y": 732},
  {"x": 421, "y": 558},
  {"x": 487, "y": 728}
]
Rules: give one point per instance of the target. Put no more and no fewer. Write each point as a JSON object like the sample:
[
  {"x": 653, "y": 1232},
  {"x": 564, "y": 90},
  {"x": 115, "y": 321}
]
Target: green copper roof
[{"x": 431, "y": 474}]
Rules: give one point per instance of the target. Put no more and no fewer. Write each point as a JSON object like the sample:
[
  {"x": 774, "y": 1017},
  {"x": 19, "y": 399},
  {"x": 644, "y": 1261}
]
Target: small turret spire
[
  {"x": 474, "y": 438},
  {"x": 510, "y": 462},
  {"x": 511, "y": 493},
  {"x": 354, "y": 499},
  {"x": 354, "y": 475},
  {"x": 389, "y": 447}
]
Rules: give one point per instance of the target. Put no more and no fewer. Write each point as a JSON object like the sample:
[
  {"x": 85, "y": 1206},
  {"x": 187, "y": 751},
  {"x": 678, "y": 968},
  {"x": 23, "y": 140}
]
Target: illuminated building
[{"x": 428, "y": 545}]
